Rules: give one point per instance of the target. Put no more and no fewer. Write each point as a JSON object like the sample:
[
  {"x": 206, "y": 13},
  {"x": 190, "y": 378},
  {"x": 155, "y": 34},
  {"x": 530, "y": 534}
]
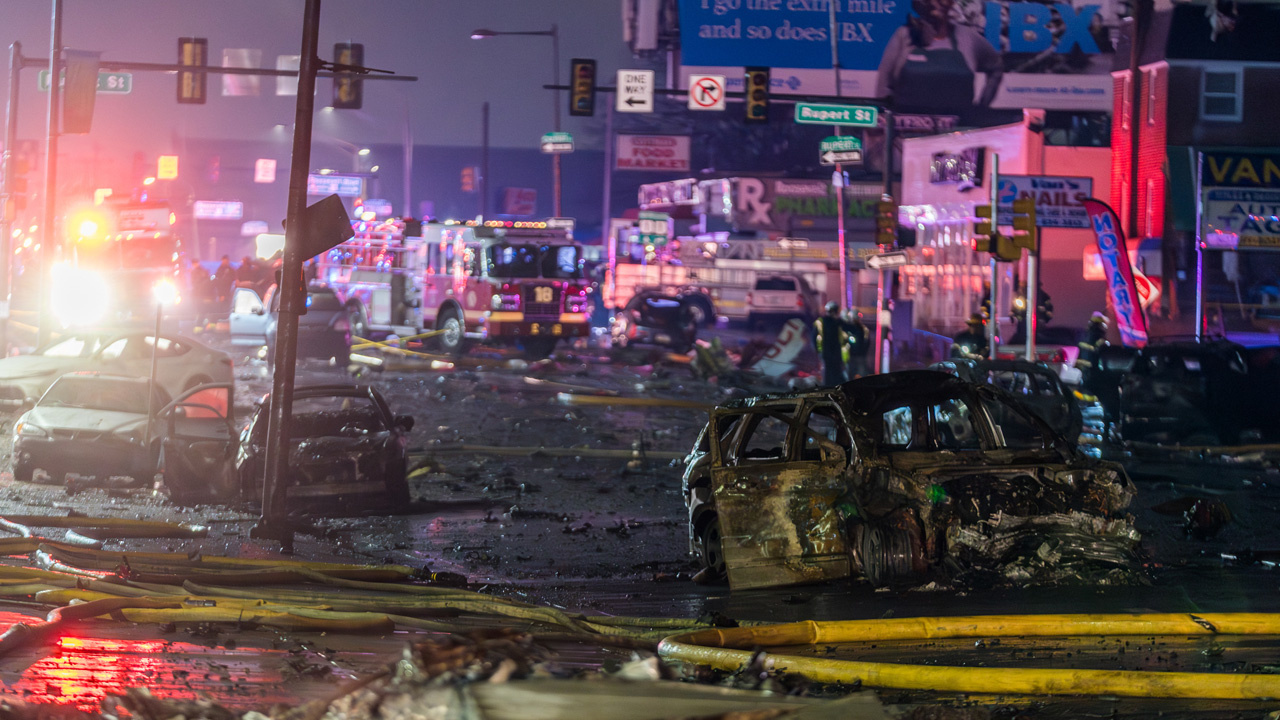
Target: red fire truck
[{"x": 500, "y": 282}]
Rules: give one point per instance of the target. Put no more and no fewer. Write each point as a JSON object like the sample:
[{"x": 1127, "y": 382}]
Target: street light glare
[
  {"x": 482, "y": 34},
  {"x": 364, "y": 151}
]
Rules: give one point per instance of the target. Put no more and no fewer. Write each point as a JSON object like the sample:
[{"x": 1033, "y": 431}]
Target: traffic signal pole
[
  {"x": 993, "y": 324},
  {"x": 49, "y": 238},
  {"x": 9, "y": 209},
  {"x": 274, "y": 523}
]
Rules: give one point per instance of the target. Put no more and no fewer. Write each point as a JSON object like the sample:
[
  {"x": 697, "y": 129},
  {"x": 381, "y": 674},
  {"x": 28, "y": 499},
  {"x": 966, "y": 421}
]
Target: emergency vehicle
[
  {"x": 498, "y": 282},
  {"x": 120, "y": 259}
]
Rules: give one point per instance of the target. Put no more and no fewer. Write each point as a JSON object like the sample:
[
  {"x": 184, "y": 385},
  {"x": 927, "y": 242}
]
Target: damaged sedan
[{"x": 902, "y": 479}]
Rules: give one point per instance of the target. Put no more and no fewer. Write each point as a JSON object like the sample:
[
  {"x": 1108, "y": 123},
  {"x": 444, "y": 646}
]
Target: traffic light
[
  {"x": 582, "y": 88},
  {"x": 886, "y": 221},
  {"x": 984, "y": 231},
  {"x": 192, "y": 85},
  {"x": 348, "y": 87},
  {"x": 757, "y": 94},
  {"x": 469, "y": 179},
  {"x": 1024, "y": 224}
]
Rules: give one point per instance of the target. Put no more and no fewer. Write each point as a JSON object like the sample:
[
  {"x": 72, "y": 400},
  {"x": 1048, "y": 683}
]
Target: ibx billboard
[{"x": 929, "y": 56}]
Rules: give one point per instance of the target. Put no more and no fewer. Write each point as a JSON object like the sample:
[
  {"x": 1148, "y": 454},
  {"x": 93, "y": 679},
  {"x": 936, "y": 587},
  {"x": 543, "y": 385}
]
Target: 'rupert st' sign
[{"x": 848, "y": 115}]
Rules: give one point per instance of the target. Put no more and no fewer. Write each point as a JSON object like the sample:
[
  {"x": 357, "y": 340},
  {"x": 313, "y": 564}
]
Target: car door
[
  {"x": 248, "y": 321},
  {"x": 198, "y": 444},
  {"x": 776, "y": 484}
]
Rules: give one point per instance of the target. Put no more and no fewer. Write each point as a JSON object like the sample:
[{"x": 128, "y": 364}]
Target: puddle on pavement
[{"x": 240, "y": 669}]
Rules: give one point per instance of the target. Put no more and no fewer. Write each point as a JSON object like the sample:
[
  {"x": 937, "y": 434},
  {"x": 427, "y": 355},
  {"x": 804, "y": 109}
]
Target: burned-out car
[
  {"x": 902, "y": 478},
  {"x": 346, "y": 447}
]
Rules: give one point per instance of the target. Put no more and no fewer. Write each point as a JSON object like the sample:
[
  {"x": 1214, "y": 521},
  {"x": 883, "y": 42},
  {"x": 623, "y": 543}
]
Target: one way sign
[{"x": 635, "y": 91}]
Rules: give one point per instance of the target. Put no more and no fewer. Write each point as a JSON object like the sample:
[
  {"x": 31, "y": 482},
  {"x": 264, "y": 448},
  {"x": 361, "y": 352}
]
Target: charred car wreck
[
  {"x": 346, "y": 448},
  {"x": 901, "y": 479}
]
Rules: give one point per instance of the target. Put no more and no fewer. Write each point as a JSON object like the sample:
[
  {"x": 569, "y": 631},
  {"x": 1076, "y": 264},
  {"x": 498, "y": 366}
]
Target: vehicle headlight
[
  {"x": 26, "y": 429},
  {"x": 78, "y": 296}
]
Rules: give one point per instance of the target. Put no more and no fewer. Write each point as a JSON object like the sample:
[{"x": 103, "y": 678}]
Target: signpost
[
  {"x": 557, "y": 142},
  {"x": 846, "y": 115},
  {"x": 654, "y": 227},
  {"x": 706, "y": 92},
  {"x": 837, "y": 150},
  {"x": 884, "y": 261},
  {"x": 117, "y": 83},
  {"x": 635, "y": 91}
]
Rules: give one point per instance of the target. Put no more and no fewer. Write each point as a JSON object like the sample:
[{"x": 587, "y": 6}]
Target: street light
[
  {"x": 164, "y": 292},
  {"x": 554, "y": 34}
]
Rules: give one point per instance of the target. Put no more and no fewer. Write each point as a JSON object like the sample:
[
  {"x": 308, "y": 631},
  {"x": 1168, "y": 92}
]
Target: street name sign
[
  {"x": 116, "y": 83},
  {"x": 837, "y": 150},
  {"x": 557, "y": 142},
  {"x": 847, "y": 115},
  {"x": 706, "y": 92},
  {"x": 635, "y": 91},
  {"x": 886, "y": 260}
]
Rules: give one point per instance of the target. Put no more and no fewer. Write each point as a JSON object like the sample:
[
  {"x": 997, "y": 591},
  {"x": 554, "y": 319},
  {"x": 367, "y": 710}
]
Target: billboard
[
  {"x": 1059, "y": 200},
  {"x": 1236, "y": 219},
  {"x": 942, "y": 57}
]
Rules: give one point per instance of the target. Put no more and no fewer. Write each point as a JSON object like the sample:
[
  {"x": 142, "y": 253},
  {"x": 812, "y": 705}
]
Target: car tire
[
  {"x": 539, "y": 348},
  {"x": 452, "y": 341},
  {"x": 23, "y": 472},
  {"x": 710, "y": 544},
  {"x": 197, "y": 381},
  {"x": 700, "y": 310},
  {"x": 358, "y": 322}
]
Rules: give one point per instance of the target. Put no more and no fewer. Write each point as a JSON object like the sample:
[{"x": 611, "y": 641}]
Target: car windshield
[
  {"x": 323, "y": 301},
  {"x": 97, "y": 393},
  {"x": 335, "y": 416},
  {"x": 530, "y": 260},
  {"x": 1012, "y": 428},
  {"x": 74, "y": 346}
]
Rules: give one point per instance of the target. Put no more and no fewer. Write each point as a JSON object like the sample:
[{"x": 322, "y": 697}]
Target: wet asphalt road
[{"x": 608, "y": 536}]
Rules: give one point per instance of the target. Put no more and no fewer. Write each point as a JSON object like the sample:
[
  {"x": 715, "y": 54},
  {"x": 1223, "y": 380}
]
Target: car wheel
[
  {"x": 710, "y": 545},
  {"x": 452, "y": 340},
  {"x": 197, "y": 381},
  {"x": 700, "y": 311},
  {"x": 358, "y": 322},
  {"x": 22, "y": 472},
  {"x": 893, "y": 550},
  {"x": 539, "y": 348}
]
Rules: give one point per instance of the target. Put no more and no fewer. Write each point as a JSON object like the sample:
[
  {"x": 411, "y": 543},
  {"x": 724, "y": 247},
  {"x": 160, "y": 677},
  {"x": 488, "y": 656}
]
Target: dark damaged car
[
  {"x": 902, "y": 479},
  {"x": 346, "y": 449}
]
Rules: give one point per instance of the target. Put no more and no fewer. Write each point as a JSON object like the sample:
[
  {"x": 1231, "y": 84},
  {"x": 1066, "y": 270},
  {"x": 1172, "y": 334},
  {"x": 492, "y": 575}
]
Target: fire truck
[
  {"x": 497, "y": 282},
  {"x": 119, "y": 260}
]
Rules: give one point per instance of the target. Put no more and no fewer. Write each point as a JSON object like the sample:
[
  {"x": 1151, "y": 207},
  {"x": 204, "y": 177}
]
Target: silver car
[{"x": 181, "y": 363}]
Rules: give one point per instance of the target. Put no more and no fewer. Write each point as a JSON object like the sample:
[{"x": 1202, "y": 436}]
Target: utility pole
[
  {"x": 273, "y": 523},
  {"x": 9, "y": 209},
  {"x": 993, "y": 324},
  {"x": 48, "y": 234}
]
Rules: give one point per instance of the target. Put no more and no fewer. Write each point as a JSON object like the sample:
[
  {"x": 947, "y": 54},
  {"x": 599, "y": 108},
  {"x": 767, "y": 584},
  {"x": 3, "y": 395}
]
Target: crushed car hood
[{"x": 83, "y": 419}]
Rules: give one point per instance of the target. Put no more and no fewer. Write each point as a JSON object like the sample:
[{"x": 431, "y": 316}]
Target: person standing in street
[
  {"x": 972, "y": 343},
  {"x": 830, "y": 339},
  {"x": 224, "y": 279},
  {"x": 858, "y": 345}
]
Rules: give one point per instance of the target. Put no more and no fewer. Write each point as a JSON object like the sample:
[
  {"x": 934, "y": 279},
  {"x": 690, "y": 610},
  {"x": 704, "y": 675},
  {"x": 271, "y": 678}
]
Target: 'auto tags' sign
[
  {"x": 1058, "y": 199},
  {"x": 1241, "y": 219}
]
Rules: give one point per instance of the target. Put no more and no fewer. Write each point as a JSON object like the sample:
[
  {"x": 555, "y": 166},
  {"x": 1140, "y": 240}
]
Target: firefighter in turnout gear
[
  {"x": 972, "y": 343},
  {"x": 831, "y": 339}
]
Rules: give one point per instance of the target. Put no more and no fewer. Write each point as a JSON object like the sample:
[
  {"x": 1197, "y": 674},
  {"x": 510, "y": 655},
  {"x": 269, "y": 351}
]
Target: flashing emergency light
[{"x": 165, "y": 292}]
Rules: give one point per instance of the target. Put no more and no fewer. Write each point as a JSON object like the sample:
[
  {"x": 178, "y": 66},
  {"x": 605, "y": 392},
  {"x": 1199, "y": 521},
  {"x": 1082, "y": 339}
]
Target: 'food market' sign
[{"x": 662, "y": 153}]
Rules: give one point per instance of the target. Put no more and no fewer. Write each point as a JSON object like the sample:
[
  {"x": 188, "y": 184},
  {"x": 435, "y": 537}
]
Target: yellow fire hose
[
  {"x": 362, "y": 343},
  {"x": 120, "y": 527},
  {"x": 724, "y": 649},
  {"x": 565, "y": 398}
]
